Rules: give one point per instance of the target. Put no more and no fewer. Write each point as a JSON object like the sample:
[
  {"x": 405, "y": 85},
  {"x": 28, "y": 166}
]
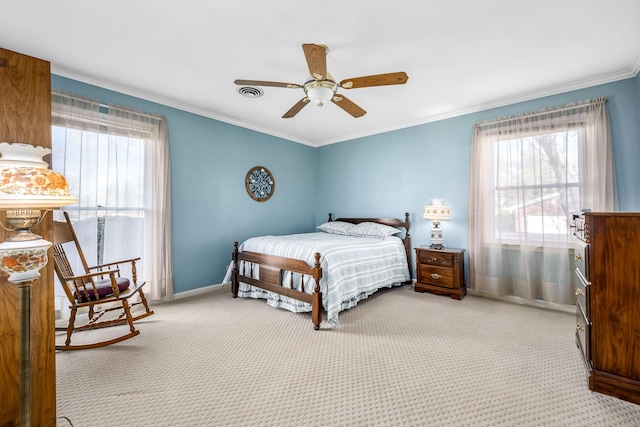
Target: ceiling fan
[{"x": 321, "y": 87}]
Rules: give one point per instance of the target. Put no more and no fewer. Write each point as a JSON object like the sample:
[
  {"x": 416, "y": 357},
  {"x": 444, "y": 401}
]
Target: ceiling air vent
[{"x": 250, "y": 92}]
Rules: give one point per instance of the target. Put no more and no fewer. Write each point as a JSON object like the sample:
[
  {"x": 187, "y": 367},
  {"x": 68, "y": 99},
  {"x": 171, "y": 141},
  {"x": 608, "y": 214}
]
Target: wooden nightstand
[{"x": 440, "y": 271}]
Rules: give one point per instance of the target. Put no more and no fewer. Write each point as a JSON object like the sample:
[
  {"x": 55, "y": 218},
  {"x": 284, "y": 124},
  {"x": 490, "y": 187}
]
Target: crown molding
[
  {"x": 148, "y": 96},
  {"x": 528, "y": 96},
  {"x": 502, "y": 102},
  {"x": 636, "y": 67}
]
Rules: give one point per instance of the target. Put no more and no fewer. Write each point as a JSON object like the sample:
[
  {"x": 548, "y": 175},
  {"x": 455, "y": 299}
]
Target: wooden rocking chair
[{"x": 100, "y": 289}]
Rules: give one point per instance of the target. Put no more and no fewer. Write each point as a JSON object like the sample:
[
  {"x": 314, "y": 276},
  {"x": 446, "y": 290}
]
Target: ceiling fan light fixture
[
  {"x": 320, "y": 87},
  {"x": 319, "y": 95},
  {"x": 320, "y": 91}
]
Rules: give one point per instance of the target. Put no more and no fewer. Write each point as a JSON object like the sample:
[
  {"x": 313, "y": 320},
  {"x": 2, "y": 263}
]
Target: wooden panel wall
[{"x": 25, "y": 116}]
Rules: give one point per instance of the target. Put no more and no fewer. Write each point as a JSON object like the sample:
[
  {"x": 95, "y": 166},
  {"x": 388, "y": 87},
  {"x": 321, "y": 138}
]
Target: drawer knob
[
  {"x": 579, "y": 327},
  {"x": 579, "y": 292},
  {"x": 436, "y": 276}
]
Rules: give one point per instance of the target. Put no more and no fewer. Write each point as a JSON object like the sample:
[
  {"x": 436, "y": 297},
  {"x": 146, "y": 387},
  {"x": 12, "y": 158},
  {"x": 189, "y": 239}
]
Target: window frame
[{"x": 501, "y": 238}]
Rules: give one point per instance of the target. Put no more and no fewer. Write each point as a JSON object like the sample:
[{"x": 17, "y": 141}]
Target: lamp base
[
  {"x": 25, "y": 353},
  {"x": 437, "y": 241}
]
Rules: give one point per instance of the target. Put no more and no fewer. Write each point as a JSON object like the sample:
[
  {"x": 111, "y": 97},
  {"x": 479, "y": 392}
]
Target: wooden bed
[{"x": 271, "y": 268}]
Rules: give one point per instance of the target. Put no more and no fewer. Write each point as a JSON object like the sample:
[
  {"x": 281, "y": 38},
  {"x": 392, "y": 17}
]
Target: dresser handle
[
  {"x": 579, "y": 292},
  {"x": 579, "y": 327},
  {"x": 578, "y": 257},
  {"x": 436, "y": 276}
]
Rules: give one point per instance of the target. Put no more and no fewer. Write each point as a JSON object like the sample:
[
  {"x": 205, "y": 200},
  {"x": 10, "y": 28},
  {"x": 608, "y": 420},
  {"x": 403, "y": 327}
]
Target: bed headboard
[{"x": 392, "y": 222}]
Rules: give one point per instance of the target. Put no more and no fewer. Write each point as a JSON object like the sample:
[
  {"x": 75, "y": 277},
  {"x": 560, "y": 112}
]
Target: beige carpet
[{"x": 399, "y": 358}]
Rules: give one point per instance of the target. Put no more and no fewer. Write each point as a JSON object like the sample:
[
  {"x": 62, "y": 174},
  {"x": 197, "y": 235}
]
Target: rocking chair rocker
[{"x": 99, "y": 289}]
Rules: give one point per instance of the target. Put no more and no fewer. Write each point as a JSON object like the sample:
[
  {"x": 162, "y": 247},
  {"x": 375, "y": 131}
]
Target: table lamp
[{"x": 436, "y": 212}]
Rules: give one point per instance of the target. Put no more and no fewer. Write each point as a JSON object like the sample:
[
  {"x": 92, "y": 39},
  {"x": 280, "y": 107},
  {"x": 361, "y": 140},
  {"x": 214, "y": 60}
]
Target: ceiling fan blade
[
  {"x": 316, "y": 55},
  {"x": 398, "y": 78},
  {"x": 265, "y": 83},
  {"x": 347, "y": 105},
  {"x": 296, "y": 108}
]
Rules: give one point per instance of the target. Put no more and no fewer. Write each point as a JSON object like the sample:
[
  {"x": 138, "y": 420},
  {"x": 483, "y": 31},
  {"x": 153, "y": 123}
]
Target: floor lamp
[{"x": 27, "y": 186}]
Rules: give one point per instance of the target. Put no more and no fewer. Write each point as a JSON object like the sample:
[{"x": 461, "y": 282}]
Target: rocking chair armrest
[
  {"x": 91, "y": 275},
  {"x": 124, "y": 261}
]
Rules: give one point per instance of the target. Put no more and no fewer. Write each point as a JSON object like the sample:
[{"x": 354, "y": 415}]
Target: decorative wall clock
[{"x": 260, "y": 183}]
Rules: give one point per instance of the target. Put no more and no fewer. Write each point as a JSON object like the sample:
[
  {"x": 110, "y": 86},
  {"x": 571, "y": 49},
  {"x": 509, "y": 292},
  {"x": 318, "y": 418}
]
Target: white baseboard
[
  {"x": 194, "y": 292},
  {"x": 517, "y": 300}
]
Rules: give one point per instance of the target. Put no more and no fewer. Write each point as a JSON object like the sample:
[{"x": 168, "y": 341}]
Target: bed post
[
  {"x": 234, "y": 271},
  {"x": 407, "y": 244},
  {"x": 316, "y": 297}
]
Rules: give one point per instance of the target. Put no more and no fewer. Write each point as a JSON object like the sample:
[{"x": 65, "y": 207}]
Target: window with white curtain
[
  {"x": 116, "y": 161},
  {"x": 528, "y": 175},
  {"x": 106, "y": 173},
  {"x": 537, "y": 184}
]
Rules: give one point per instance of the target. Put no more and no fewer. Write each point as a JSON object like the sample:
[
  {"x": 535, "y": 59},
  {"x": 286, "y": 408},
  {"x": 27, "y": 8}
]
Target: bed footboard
[{"x": 270, "y": 273}]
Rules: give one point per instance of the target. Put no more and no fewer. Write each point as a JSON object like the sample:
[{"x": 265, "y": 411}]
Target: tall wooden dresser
[{"x": 607, "y": 272}]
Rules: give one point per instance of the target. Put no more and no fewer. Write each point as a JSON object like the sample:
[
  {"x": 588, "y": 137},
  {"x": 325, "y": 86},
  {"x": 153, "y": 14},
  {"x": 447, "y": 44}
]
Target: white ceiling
[{"x": 461, "y": 55}]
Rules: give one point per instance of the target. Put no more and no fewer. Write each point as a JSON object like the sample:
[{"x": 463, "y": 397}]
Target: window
[
  {"x": 537, "y": 185},
  {"x": 528, "y": 175},
  {"x": 106, "y": 173},
  {"x": 116, "y": 161}
]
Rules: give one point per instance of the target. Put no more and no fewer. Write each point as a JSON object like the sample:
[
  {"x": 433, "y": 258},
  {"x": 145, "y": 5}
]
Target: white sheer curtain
[
  {"x": 117, "y": 163},
  {"x": 528, "y": 175}
]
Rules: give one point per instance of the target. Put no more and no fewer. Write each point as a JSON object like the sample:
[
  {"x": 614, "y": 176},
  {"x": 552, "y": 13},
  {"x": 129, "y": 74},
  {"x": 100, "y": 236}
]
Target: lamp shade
[
  {"x": 26, "y": 182},
  {"x": 437, "y": 211}
]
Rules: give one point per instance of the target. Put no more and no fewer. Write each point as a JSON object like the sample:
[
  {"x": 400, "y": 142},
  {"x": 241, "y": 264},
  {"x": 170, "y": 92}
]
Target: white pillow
[
  {"x": 373, "y": 229},
  {"x": 336, "y": 227}
]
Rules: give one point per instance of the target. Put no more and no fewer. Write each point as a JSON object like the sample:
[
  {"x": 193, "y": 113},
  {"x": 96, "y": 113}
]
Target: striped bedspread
[{"x": 353, "y": 268}]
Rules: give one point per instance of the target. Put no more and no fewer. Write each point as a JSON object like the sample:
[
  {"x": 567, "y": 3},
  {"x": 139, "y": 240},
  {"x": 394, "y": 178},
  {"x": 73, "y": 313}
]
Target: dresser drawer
[
  {"x": 582, "y": 293},
  {"x": 581, "y": 251},
  {"x": 435, "y": 258},
  {"x": 434, "y": 275},
  {"x": 583, "y": 336}
]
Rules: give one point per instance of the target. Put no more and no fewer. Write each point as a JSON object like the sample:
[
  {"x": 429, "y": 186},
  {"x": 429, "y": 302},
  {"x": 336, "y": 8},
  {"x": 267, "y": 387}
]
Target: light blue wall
[
  {"x": 211, "y": 208},
  {"x": 638, "y": 104},
  {"x": 380, "y": 175},
  {"x": 400, "y": 171}
]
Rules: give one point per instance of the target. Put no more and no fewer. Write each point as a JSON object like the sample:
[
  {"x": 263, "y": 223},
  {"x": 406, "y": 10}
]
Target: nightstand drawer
[
  {"x": 435, "y": 258},
  {"x": 434, "y": 275}
]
